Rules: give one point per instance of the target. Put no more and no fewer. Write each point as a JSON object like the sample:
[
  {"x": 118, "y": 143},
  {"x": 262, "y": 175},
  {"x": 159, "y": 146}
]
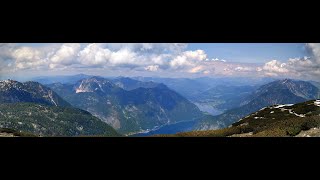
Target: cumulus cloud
[
  {"x": 94, "y": 55},
  {"x": 148, "y": 57},
  {"x": 216, "y": 59},
  {"x": 6, "y": 61},
  {"x": 240, "y": 68},
  {"x": 304, "y": 67},
  {"x": 66, "y": 54},
  {"x": 196, "y": 69},
  {"x": 124, "y": 56},
  {"x": 157, "y": 48},
  {"x": 99, "y": 55},
  {"x": 152, "y": 68},
  {"x": 275, "y": 66},
  {"x": 188, "y": 58}
]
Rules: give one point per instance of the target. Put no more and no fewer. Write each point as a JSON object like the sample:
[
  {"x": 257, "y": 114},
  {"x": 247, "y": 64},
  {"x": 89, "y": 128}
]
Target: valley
[{"x": 138, "y": 107}]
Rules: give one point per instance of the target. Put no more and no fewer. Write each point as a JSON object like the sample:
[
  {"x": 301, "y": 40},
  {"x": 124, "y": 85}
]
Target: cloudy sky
[{"x": 293, "y": 60}]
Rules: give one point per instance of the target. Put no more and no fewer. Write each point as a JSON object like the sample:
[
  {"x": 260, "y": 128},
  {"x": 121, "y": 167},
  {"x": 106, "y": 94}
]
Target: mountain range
[
  {"x": 84, "y": 105},
  {"x": 128, "y": 105},
  {"x": 285, "y": 120},
  {"x": 14, "y": 92},
  {"x": 277, "y": 92},
  {"x": 33, "y": 108}
]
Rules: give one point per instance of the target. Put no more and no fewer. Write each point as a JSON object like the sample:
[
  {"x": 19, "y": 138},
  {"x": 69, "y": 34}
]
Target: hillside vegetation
[{"x": 272, "y": 121}]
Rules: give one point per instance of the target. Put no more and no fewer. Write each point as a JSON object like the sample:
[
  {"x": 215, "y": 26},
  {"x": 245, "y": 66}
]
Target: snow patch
[
  {"x": 244, "y": 124},
  {"x": 80, "y": 91},
  {"x": 258, "y": 117},
  {"x": 51, "y": 98},
  {"x": 299, "y": 115},
  {"x": 262, "y": 109},
  {"x": 34, "y": 125},
  {"x": 317, "y": 103},
  {"x": 271, "y": 112},
  {"x": 283, "y": 105}
]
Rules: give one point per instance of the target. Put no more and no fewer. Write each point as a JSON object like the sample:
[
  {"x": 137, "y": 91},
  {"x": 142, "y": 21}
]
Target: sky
[
  {"x": 252, "y": 52},
  {"x": 293, "y": 60}
]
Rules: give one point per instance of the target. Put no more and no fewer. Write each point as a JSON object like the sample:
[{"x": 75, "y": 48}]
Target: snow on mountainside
[{"x": 280, "y": 120}]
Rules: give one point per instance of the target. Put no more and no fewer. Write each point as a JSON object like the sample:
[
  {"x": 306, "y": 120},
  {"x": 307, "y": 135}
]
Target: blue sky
[
  {"x": 161, "y": 59},
  {"x": 252, "y": 52}
]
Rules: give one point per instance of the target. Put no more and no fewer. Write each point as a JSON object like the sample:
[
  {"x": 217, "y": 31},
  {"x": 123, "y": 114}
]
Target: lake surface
[{"x": 170, "y": 129}]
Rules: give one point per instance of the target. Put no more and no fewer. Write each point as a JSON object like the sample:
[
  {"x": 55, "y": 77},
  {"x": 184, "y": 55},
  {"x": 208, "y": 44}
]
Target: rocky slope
[{"x": 14, "y": 92}]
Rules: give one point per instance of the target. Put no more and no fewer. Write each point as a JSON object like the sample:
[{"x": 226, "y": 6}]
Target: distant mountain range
[
  {"x": 128, "y": 105},
  {"x": 212, "y": 95},
  {"x": 301, "y": 120},
  {"x": 60, "y": 79},
  {"x": 33, "y": 108},
  {"x": 84, "y": 105},
  {"x": 277, "y": 92},
  {"x": 14, "y": 92},
  {"x": 47, "y": 120},
  {"x": 192, "y": 88},
  {"x": 131, "y": 84},
  {"x": 221, "y": 98}
]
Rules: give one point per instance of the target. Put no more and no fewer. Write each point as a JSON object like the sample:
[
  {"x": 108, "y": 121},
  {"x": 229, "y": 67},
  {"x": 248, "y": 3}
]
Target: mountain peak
[
  {"x": 94, "y": 84},
  {"x": 12, "y": 91},
  {"x": 99, "y": 78},
  {"x": 8, "y": 84},
  {"x": 284, "y": 81},
  {"x": 9, "y": 81}
]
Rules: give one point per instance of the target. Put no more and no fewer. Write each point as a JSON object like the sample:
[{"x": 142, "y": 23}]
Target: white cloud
[
  {"x": 259, "y": 69},
  {"x": 155, "y": 48},
  {"x": 305, "y": 67},
  {"x": 152, "y": 68},
  {"x": 28, "y": 58},
  {"x": 66, "y": 54},
  {"x": 188, "y": 58},
  {"x": 180, "y": 61},
  {"x": 94, "y": 54},
  {"x": 216, "y": 59},
  {"x": 275, "y": 66},
  {"x": 198, "y": 55},
  {"x": 206, "y": 72},
  {"x": 123, "y": 56},
  {"x": 240, "y": 68},
  {"x": 314, "y": 49},
  {"x": 148, "y": 57},
  {"x": 196, "y": 69}
]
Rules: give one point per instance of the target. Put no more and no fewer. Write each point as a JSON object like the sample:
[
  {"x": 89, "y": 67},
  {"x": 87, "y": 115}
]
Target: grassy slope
[
  {"x": 263, "y": 123},
  {"x": 52, "y": 121}
]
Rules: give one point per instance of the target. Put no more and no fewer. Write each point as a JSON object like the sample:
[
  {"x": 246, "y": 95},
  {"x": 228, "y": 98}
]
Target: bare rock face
[
  {"x": 7, "y": 135},
  {"x": 313, "y": 132}
]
